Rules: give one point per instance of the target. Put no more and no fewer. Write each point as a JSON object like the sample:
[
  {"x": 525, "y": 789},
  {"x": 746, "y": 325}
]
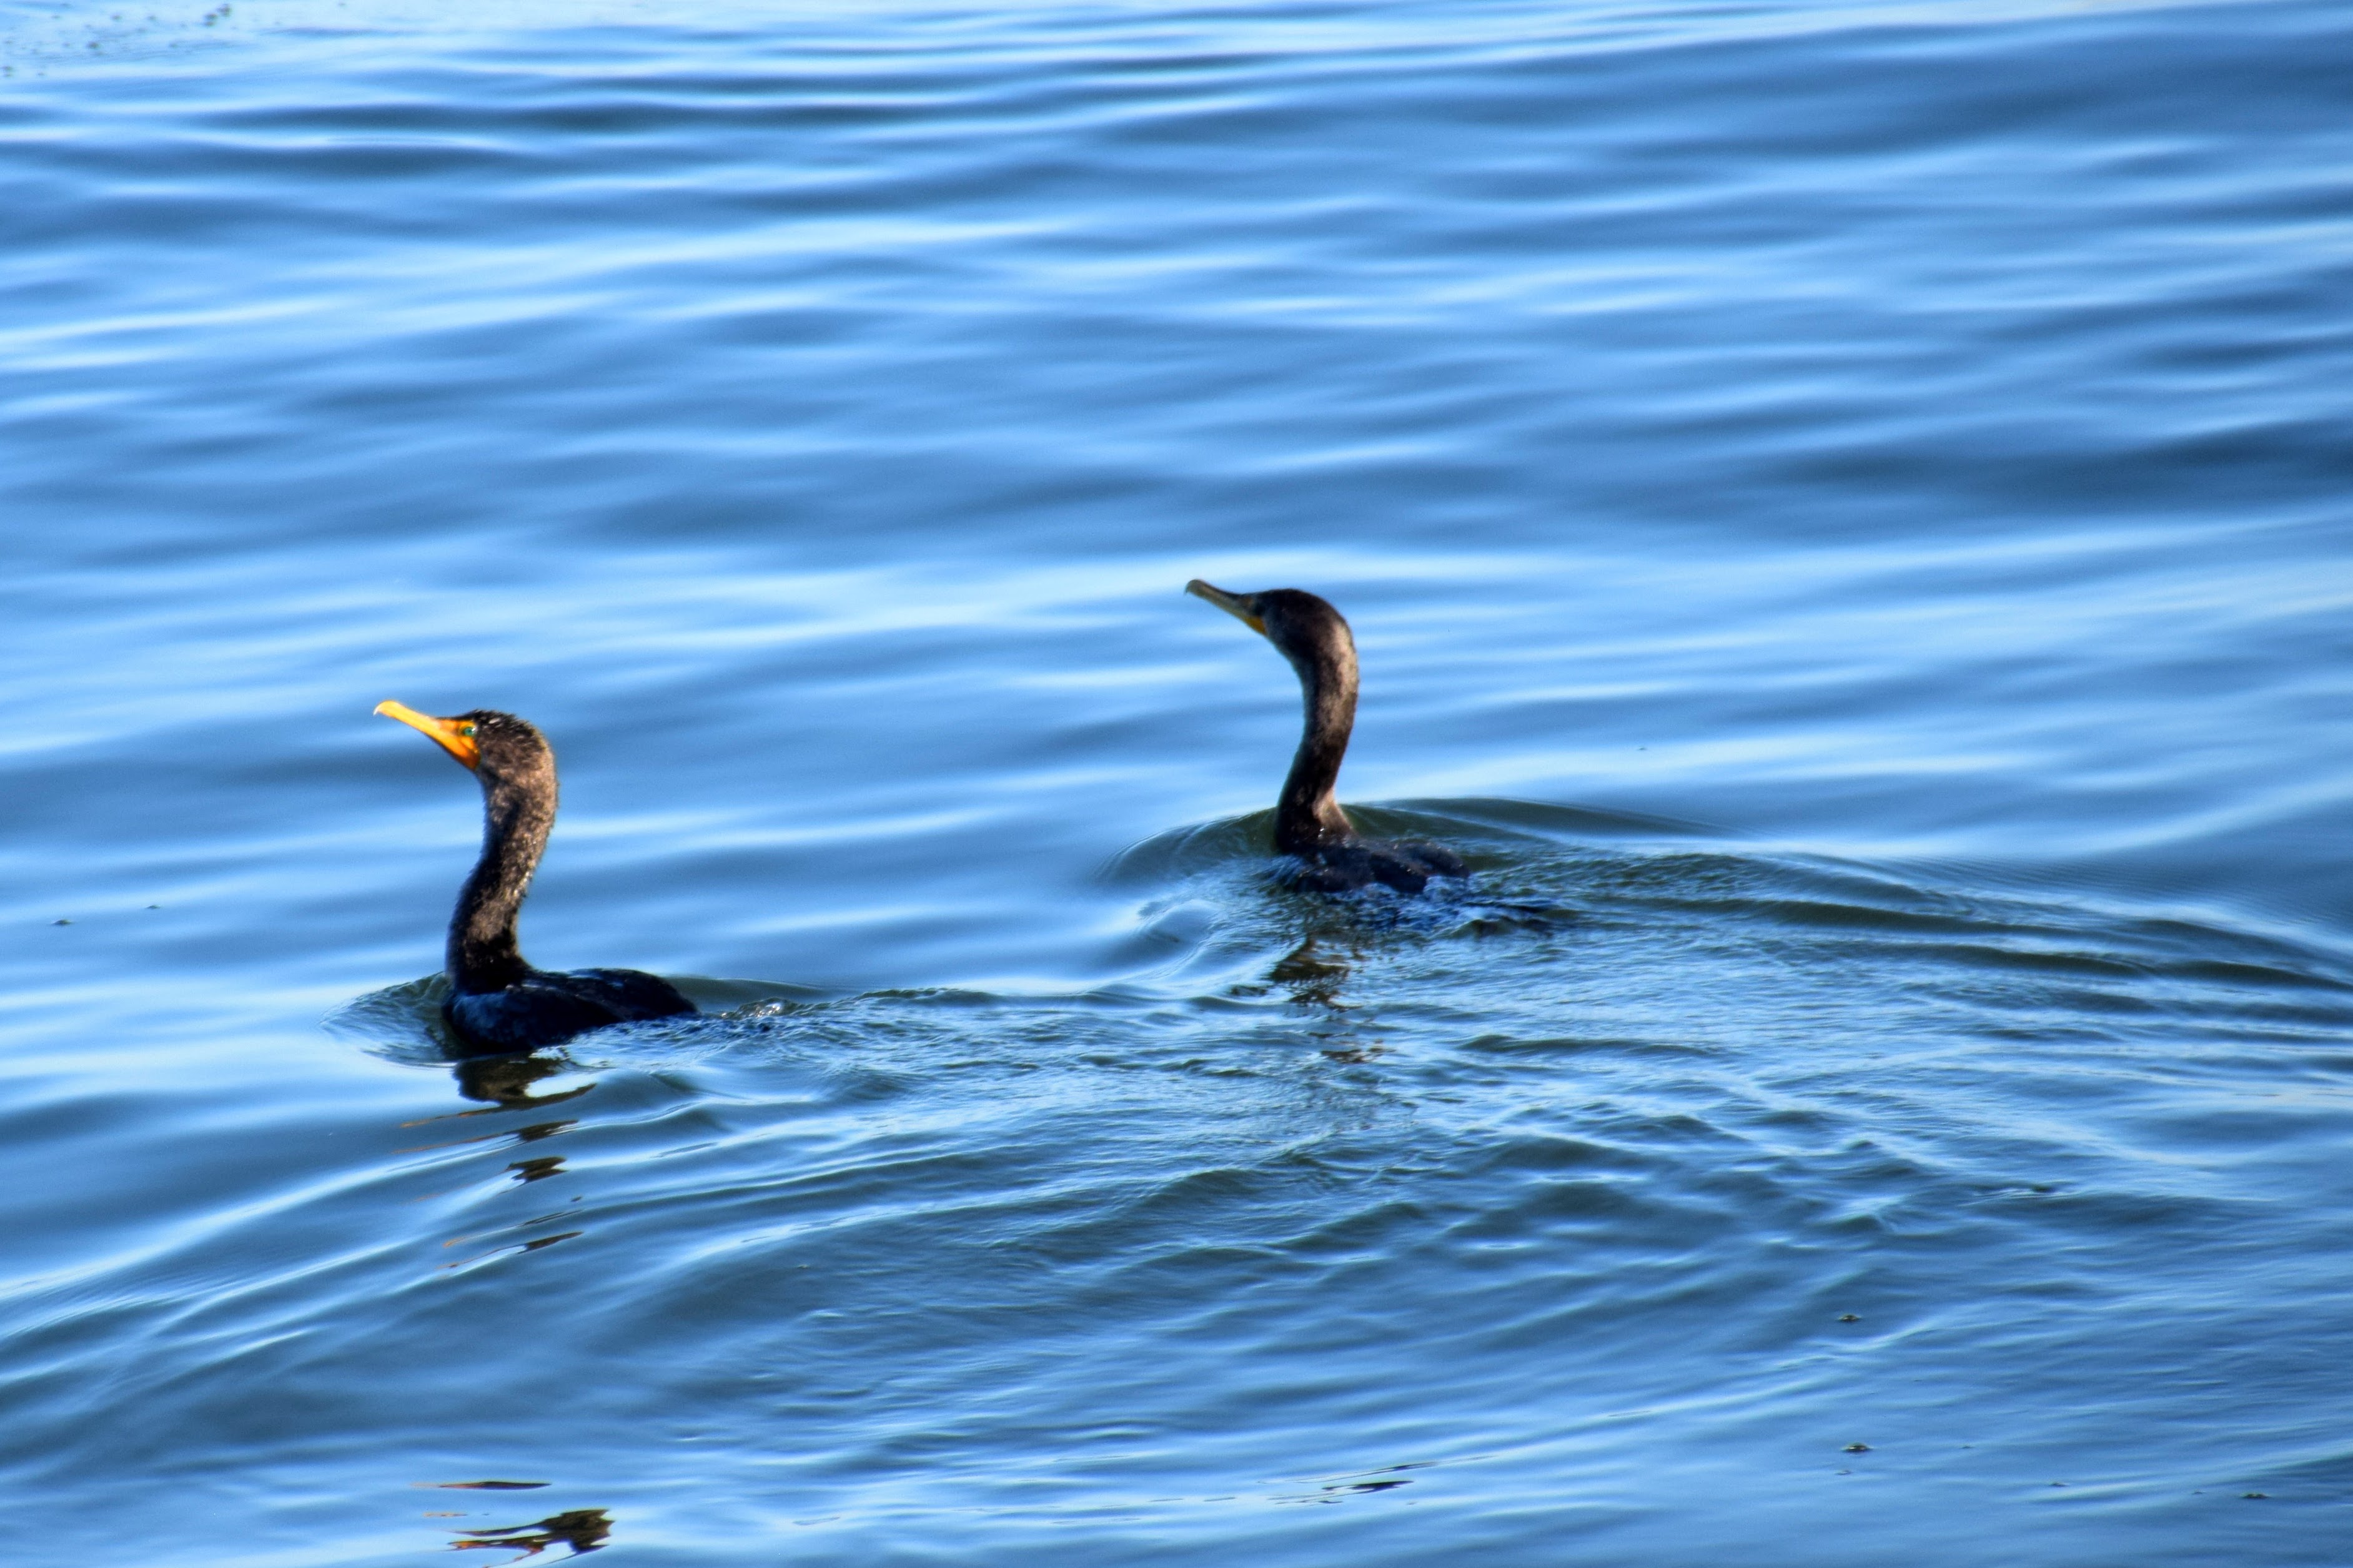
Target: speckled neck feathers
[
  {"x": 1307, "y": 815},
  {"x": 518, "y": 812}
]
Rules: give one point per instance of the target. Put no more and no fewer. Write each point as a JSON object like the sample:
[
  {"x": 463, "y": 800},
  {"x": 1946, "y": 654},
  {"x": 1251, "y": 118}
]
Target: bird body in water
[
  {"x": 499, "y": 1003},
  {"x": 1309, "y": 824}
]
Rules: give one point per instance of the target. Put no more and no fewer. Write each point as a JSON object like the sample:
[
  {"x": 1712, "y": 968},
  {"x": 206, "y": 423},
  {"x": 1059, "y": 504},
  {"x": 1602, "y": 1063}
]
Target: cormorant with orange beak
[{"x": 498, "y": 1003}]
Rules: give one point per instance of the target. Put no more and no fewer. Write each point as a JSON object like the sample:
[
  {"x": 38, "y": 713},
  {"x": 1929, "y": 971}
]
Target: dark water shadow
[{"x": 584, "y": 1530}]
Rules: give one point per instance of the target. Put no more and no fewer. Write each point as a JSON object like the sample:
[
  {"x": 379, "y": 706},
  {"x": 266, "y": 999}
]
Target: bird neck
[
  {"x": 484, "y": 953},
  {"x": 1307, "y": 816}
]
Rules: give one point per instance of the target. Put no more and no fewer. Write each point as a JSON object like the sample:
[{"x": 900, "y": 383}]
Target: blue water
[{"x": 1846, "y": 515}]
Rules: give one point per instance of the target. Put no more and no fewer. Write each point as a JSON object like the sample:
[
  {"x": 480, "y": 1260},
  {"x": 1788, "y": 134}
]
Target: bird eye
[{"x": 465, "y": 728}]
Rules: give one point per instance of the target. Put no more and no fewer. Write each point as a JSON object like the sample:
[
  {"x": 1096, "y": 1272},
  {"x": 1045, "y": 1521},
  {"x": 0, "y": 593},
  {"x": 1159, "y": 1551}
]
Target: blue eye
[{"x": 465, "y": 728}]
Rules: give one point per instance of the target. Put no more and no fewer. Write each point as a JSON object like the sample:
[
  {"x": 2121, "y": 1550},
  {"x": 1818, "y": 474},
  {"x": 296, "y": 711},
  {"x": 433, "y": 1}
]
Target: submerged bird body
[
  {"x": 546, "y": 1008},
  {"x": 1309, "y": 826},
  {"x": 498, "y": 1002}
]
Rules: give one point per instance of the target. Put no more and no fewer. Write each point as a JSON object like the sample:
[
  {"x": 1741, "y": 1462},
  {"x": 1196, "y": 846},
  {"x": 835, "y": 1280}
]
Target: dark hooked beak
[{"x": 1233, "y": 605}]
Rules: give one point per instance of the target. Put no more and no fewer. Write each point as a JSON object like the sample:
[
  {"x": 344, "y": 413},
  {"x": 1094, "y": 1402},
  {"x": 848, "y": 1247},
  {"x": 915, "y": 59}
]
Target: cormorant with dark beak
[{"x": 1308, "y": 822}]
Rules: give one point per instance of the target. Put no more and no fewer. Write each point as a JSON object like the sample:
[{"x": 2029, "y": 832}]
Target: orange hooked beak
[
  {"x": 456, "y": 735},
  {"x": 1231, "y": 603}
]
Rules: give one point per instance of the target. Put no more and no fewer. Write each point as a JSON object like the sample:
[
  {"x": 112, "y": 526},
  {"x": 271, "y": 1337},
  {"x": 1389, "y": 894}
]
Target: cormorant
[
  {"x": 498, "y": 1003},
  {"x": 1308, "y": 822}
]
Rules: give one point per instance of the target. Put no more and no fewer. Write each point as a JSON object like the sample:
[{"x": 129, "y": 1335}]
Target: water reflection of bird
[
  {"x": 505, "y": 1082},
  {"x": 585, "y": 1529},
  {"x": 1312, "y": 978},
  {"x": 1308, "y": 822},
  {"x": 498, "y": 1002}
]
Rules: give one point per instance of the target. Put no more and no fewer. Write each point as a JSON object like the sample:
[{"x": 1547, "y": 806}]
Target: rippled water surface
[{"x": 1845, "y": 511}]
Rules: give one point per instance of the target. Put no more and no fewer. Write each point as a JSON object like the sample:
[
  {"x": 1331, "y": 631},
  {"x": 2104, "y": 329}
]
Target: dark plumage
[
  {"x": 498, "y": 1002},
  {"x": 1308, "y": 822}
]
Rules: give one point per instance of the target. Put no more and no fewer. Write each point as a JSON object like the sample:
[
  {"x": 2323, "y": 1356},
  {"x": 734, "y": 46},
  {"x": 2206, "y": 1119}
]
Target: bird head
[
  {"x": 492, "y": 744},
  {"x": 1307, "y": 629}
]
